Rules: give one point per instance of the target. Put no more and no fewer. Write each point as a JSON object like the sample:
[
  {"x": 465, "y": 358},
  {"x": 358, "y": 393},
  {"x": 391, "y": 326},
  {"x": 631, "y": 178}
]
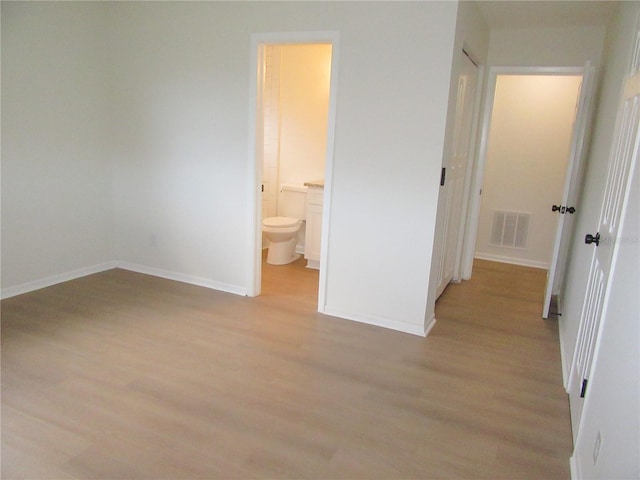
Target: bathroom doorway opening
[{"x": 293, "y": 116}]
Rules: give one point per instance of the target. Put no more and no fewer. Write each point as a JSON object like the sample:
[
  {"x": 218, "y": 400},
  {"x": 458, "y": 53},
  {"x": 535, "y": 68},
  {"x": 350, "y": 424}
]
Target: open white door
[
  {"x": 623, "y": 160},
  {"x": 454, "y": 180},
  {"x": 570, "y": 194}
]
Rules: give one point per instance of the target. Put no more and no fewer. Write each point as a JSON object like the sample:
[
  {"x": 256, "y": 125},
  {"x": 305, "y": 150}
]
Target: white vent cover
[{"x": 510, "y": 229}]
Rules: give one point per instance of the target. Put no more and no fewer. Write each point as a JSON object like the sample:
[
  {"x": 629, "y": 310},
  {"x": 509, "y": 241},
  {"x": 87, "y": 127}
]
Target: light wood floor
[{"x": 125, "y": 376}]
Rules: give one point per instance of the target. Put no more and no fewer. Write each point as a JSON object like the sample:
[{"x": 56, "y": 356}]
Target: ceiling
[{"x": 543, "y": 13}]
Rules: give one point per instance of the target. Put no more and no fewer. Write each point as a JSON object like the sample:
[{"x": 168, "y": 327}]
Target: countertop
[{"x": 315, "y": 184}]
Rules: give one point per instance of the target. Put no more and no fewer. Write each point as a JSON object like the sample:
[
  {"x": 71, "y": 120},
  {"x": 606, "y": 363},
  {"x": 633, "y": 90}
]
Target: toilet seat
[{"x": 280, "y": 222}]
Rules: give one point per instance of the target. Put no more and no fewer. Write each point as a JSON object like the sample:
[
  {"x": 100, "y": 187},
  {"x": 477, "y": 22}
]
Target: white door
[
  {"x": 623, "y": 157},
  {"x": 570, "y": 194},
  {"x": 455, "y": 175}
]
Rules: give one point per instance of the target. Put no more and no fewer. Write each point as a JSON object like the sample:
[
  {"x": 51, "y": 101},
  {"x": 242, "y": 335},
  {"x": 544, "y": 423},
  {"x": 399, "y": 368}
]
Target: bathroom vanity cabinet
[{"x": 313, "y": 231}]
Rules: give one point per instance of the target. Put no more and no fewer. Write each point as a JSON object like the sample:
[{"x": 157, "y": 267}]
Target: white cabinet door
[
  {"x": 313, "y": 231},
  {"x": 313, "y": 235}
]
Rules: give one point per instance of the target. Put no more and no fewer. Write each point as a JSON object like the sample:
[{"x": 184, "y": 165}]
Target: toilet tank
[{"x": 293, "y": 201}]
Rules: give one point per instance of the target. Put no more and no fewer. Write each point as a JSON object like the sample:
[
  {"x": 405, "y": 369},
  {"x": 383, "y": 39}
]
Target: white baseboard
[
  {"x": 83, "y": 272},
  {"x": 513, "y": 261},
  {"x": 430, "y": 324},
  {"x": 563, "y": 360},
  {"x": 55, "y": 279},
  {"x": 559, "y": 302},
  {"x": 381, "y": 322},
  {"x": 181, "y": 277},
  {"x": 574, "y": 469}
]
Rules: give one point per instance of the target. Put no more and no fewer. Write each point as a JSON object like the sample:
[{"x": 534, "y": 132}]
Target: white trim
[
  {"x": 430, "y": 324},
  {"x": 180, "y": 277},
  {"x": 328, "y": 173},
  {"x": 254, "y": 210},
  {"x": 55, "y": 279},
  {"x": 419, "y": 330},
  {"x": 563, "y": 363},
  {"x": 511, "y": 260},
  {"x": 574, "y": 468},
  {"x": 254, "y": 251},
  {"x": 282, "y": 38}
]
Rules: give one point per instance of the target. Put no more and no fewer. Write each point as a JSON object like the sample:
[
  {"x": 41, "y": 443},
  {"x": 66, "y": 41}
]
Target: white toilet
[{"x": 282, "y": 231}]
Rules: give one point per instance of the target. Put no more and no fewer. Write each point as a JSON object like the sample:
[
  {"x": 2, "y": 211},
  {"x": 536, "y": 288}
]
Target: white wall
[
  {"x": 182, "y": 103},
  {"x": 162, "y": 91},
  {"x": 528, "y": 148},
  {"x": 393, "y": 89},
  {"x": 57, "y": 215}
]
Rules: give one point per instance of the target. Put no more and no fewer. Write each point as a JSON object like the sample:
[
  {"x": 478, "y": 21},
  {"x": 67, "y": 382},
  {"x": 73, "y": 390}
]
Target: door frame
[
  {"x": 477, "y": 179},
  {"x": 256, "y": 75}
]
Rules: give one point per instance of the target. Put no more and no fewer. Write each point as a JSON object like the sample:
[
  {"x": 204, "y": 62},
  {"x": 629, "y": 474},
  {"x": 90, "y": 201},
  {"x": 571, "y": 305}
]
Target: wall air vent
[{"x": 510, "y": 229}]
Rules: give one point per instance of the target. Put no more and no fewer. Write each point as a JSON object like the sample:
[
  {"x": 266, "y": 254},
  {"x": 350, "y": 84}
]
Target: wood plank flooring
[{"x": 125, "y": 376}]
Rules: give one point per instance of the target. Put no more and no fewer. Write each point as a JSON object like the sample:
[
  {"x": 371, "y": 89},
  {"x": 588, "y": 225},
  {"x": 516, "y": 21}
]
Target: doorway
[
  {"x": 533, "y": 137},
  {"x": 527, "y": 157},
  {"x": 292, "y": 115}
]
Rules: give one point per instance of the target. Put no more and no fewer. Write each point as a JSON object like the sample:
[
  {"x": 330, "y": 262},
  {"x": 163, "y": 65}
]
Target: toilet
[{"x": 282, "y": 231}]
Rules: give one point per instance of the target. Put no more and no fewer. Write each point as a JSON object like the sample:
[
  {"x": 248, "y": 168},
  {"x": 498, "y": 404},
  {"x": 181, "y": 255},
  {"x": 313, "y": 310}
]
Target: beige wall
[
  {"x": 304, "y": 106},
  {"x": 528, "y": 147},
  {"x": 296, "y": 107}
]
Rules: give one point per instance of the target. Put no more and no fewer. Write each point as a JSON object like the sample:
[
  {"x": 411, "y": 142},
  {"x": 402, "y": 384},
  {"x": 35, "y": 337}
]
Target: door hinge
[
  {"x": 443, "y": 174},
  {"x": 583, "y": 389}
]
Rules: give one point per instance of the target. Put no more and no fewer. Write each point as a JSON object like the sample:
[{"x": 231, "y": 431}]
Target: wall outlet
[{"x": 596, "y": 448}]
